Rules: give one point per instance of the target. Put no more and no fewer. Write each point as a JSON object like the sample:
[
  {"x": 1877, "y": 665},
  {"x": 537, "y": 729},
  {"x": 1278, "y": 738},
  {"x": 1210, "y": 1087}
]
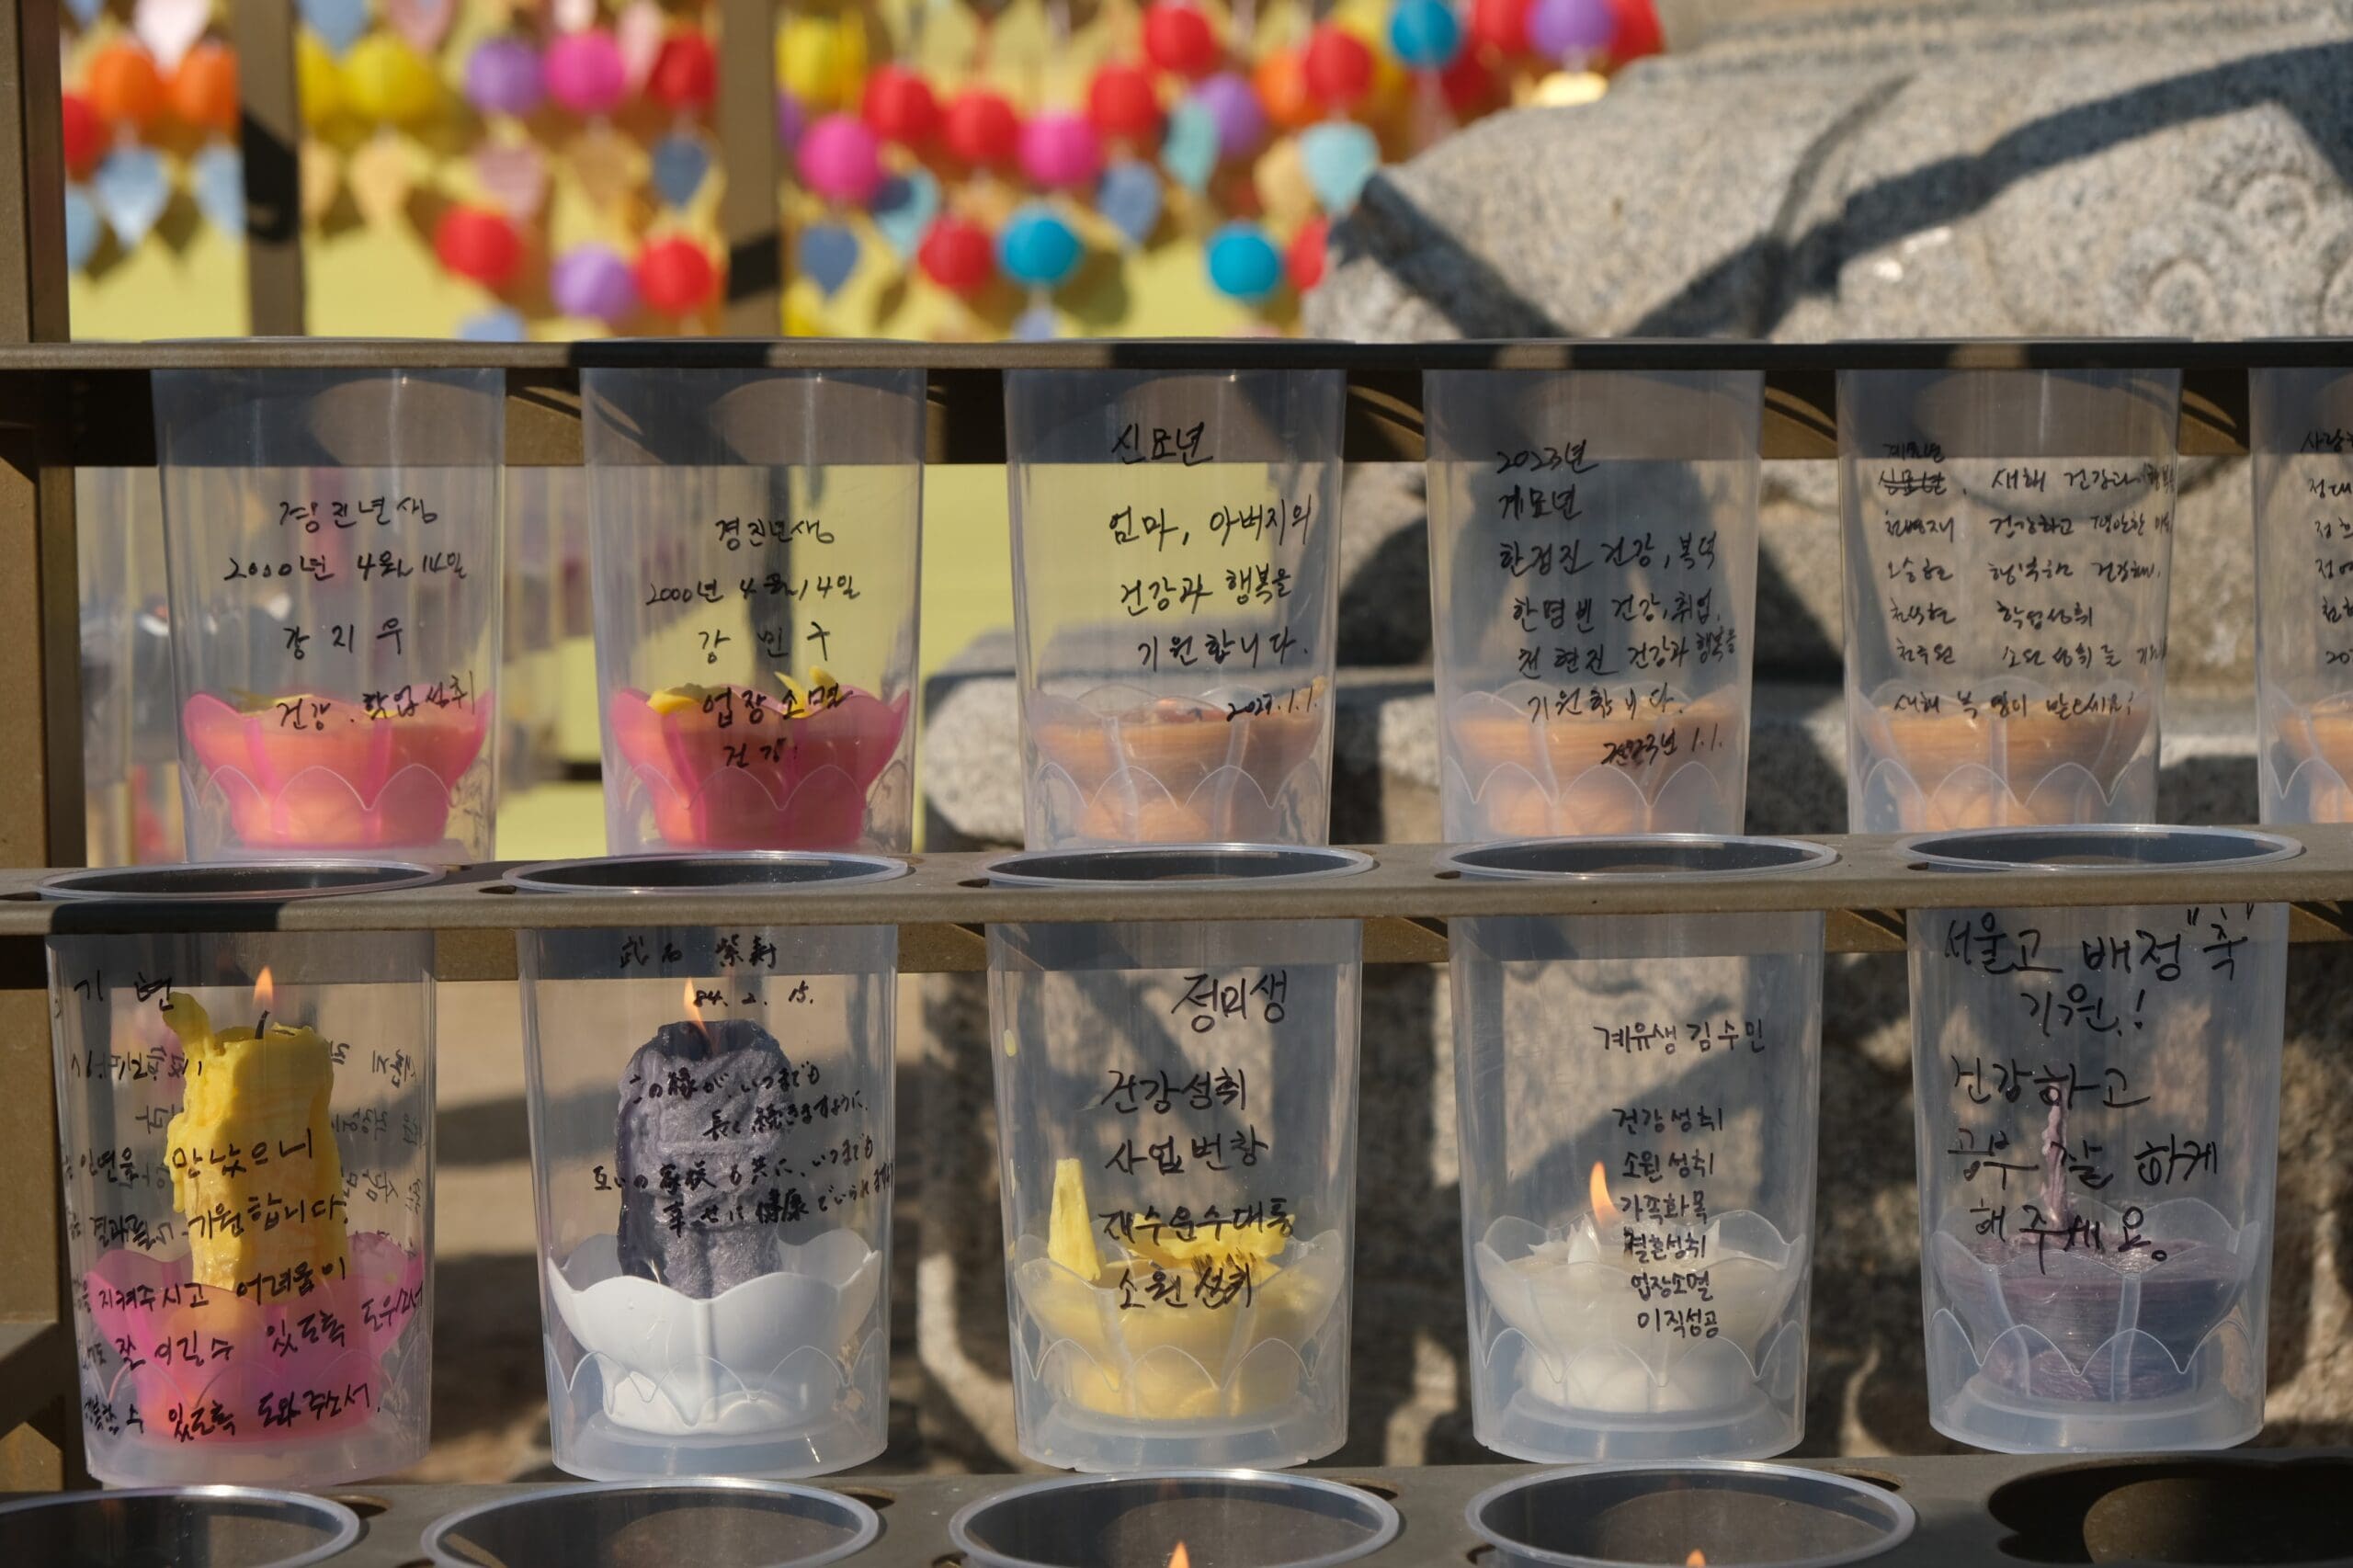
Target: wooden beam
[
  {"x": 271, "y": 134},
  {"x": 751, "y": 223}
]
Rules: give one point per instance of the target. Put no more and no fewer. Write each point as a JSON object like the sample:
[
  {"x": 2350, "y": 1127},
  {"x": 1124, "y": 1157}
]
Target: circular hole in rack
[
  {"x": 2214, "y": 1511},
  {"x": 1448, "y": 876},
  {"x": 974, "y": 882}
]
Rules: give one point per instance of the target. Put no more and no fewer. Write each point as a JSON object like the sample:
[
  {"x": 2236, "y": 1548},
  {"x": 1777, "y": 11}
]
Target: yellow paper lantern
[
  {"x": 387, "y": 81},
  {"x": 316, "y": 81},
  {"x": 821, "y": 61},
  {"x": 1280, "y": 178}
]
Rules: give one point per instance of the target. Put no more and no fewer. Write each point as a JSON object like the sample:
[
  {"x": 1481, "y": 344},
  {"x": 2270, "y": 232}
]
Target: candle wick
[{"x": 262, "y": 1027}]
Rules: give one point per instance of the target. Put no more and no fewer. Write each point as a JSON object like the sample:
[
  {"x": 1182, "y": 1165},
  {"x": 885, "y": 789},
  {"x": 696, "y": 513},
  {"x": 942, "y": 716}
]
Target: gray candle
[{"x": 700, "y": 1144}]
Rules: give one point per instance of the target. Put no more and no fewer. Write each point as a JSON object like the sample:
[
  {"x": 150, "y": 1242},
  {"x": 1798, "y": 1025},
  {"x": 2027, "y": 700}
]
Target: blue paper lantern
[
  {"x": 1244, "y": 263},
  {"x": 1427, "y": 34},
  {"x": 1036, "y": 249}
]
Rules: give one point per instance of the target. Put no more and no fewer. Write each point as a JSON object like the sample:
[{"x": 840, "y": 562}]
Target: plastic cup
[
  {"x": 2301, "y": 442},
  {"x": 1176, "y": 581},
  {"x": 1593, "y": 585},
  {"x": 1238, "y": 1519},
  {"x": 333, "y": 544},
  {"x": 1735, "y": 1515},
  {"x": 2098, "y": 1094},
  {"x": 1176, "y": 1153},
  {"x": 245, "y": 1128},
  {"x": 175, "y": 1526},
  {"x": 2008, "y": 547},
  {"x": 543, "y": 505},
  {"x": 715, "y": 1255},
  {"x": 756, "y": 540},
  {"x": 712, "y": 1524},
  {"x": 1637, "y": 1100}
]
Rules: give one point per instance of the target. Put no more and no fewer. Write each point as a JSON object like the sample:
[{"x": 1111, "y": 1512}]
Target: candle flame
[
  {"x": 1180, "y": 1558},
  {"x": 265, "y": 990},
  {"x": 1605, "y": 1209},
  {"x": 694, "y": 1012},
  {"x": 1698, "y": 1558}
]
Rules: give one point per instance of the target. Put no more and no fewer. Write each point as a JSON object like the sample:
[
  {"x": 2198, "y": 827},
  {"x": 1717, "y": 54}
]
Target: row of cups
[
  {"x": 248, "y": 1151},
  {"x": 335, "y": 542}
]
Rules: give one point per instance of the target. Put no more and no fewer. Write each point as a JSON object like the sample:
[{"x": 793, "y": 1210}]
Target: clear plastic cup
[
  {"x": 757, "y": 549},
  {"x": 2099, "y": 1096},
  {"x": 175, "y": 1526},
  {"x": 1637, "y": 1098},
  {"x": 1700, "y": 1511},
  {"x": 245, "y": 1128},
  {"x": 715, "y": 1253},
  {"x": 2008, "y": 547},
  {"x": 710, "y": 1523},
  {"x": 1593, "y": 585},
  {"x": 334, "y": 544},
  {"x": 2301, "y": 442},
  {"x": 1176, "y": 1153},
  {"x": 1235, "y": 1518},
  {"x": 543, "y": 504},
  {"x": 1176, "y": 540}
]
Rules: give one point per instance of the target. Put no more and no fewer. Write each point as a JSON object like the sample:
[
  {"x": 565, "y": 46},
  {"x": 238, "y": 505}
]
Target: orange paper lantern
[
  {"x": 204, "y": 90},
  {"x": 122, "y": 85},
  {"x": 1281, "y": 81}
]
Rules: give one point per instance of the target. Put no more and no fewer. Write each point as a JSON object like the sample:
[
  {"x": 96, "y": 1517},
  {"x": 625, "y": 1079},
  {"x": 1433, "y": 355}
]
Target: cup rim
[
  {"x": 867, "y": 1523},
  {"x": 1031, "y": 867},
  {"x": 1386, "y": 1521},
  {"x": 1804, "y": 855},
  {"x": 546, "y": 876},
  {"x": 329, "y": 1511},
  {"x": 1933, "y": 849},
  {"x": 117, "y": 884},
  {"x": 1902, "y": 1516}
]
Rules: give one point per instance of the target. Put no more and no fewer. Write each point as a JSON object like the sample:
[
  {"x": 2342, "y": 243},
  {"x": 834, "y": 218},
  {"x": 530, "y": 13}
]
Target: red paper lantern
[
  {"x": 686, "y": 72},
  {"x": 900, "y": 107},
  {"x": 1121, "y": 101},
  {"x": 981, "y": 128},
  {"x": 477, "y": 244},
  {"x": 1177, "y": 38},
  {"x": 1469, "y": 86},
  {"x": 122, "y": 85},
  {"x": 1637, "y": 32},
  {"x": 86, "y": 133},
  {"x": 203, "y": 91},
  {"x": 675, "y": 276},
  {"x": 1501, "y": 25},
  {"x": 1339, "y": 67},
  {"x": 958, "y": 254},
  {"x": 1304, "y": 257}
]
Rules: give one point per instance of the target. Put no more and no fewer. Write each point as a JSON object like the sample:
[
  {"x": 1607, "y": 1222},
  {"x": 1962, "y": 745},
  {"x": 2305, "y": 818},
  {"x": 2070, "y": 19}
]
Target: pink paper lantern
[
  {"x": 585, "y": 73},
  {"x": 1060, "y": 150},
  {"x": 841, "y": 160}
]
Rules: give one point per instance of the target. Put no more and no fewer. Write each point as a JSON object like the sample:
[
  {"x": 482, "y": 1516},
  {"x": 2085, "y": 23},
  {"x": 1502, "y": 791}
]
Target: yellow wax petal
[{"x": 1070, "y": 1230}]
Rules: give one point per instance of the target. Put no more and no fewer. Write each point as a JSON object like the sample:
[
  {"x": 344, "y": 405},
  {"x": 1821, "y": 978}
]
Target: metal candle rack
[{"x": 64, "y": 405}]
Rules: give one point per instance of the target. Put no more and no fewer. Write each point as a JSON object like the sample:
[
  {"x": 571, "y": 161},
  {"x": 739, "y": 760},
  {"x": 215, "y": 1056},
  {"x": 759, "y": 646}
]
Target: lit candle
[{"x": 1634, "y": 1319}]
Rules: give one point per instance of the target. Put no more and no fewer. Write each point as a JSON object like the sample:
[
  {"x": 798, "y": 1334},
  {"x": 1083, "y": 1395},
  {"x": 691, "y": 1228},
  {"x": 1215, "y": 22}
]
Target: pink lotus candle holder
[
  {"x": 1119, "y": 767},
  {"x": 309, "y": 774}
]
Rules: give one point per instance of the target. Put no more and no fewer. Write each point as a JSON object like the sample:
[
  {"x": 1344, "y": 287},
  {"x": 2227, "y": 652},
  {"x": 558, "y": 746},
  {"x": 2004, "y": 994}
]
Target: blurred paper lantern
[
  {"x": 1039, "y": 250},
  {"x": 585, "y": 73},
  {"x": 790, "y": 120},
  {"x": 840, "y": 160},
  {"x": 822, "y": 62},
  {"x": 1178, "y": 37},
  {"x": 1566, "y": 29},
  {"x": 981, "y": 129},
  {"x": 1285, "y": 194},
  {"x": 1242, "y": 262},
  {"x": 1427, "y": 34},
  {"x": 1500, "y": 25},
  {"x": 1339, "y": 67},
  {"x": 1281, "y": 81},
  {"x": 502, "y": 78},
  {"x": 675, "y": 276},
  {"x": 957, "y": 255},
  {"x": 1232, "y": 105},
  {"x": 1469, "y": 86},
  {"x": 1061, "y": 151},
  {"x": 318, "y": 81},
  {"x": 1637, "y": 32},
  {"x": 593, "y": 282},
  {"x": 1121, "y": 101},
  {"x": 85, "y": 133},
  {"x": 478, "y": 245},
  {"x": 122, "y": 85},
  {"x": 386, "y": 81},
  {"x": 686, "y": 72},
  {"x": 899, "y": 107},
  {"x": 1303, "y": 260},
  {"x": 203, "y": 91}
]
